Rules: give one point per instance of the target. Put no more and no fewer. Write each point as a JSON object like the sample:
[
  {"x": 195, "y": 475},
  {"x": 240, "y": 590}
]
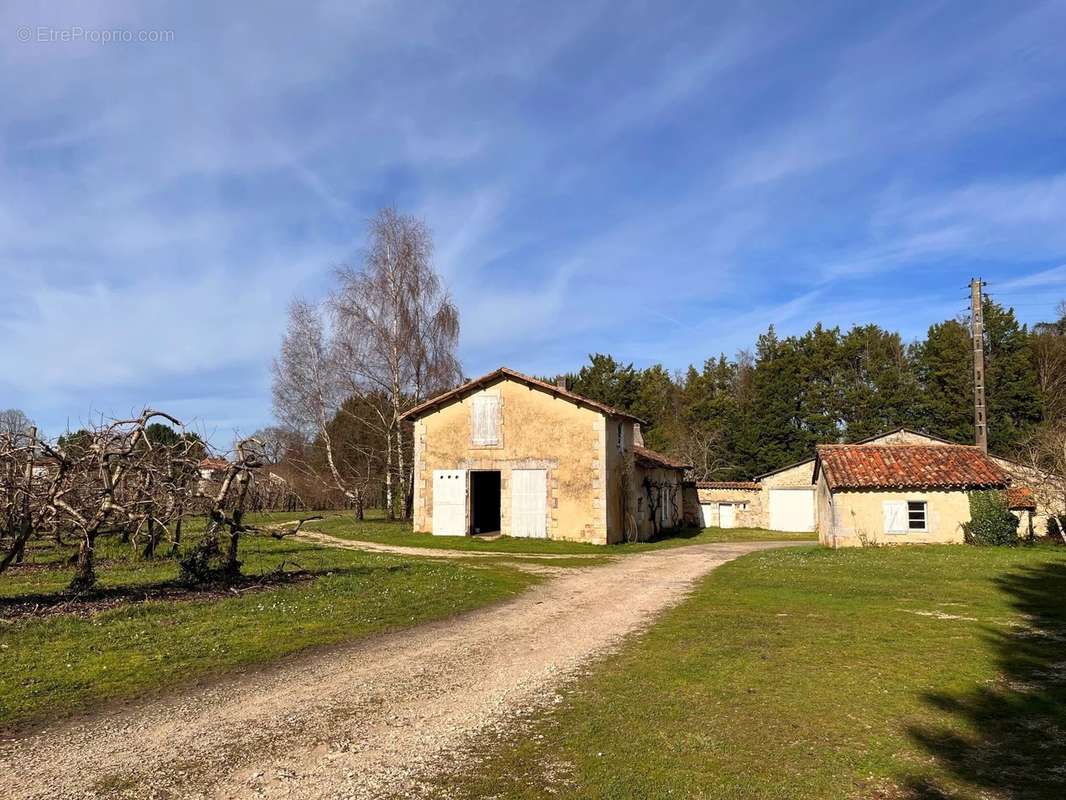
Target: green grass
[
  {"x": 924, "y": 672},
  {"x": 58, "y": 664},
  {"x": 346, "y": 526}
]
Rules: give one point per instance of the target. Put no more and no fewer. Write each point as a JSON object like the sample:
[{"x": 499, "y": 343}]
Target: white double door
[{"x": 529, "y": 503}]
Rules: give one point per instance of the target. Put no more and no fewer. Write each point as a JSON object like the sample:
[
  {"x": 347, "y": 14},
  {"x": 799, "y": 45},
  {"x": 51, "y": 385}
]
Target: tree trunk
[
  {"x": 388, "y": 476},
  {"x": 176, "y": 545},
  {"x": 84, "y": 574}
]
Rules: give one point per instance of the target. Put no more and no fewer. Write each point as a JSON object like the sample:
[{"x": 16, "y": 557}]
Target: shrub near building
[{"x": 991, "y": 521}]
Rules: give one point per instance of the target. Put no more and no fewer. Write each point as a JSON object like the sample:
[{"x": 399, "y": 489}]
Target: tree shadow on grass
[
  {"x": 47, "y": 604},
  {"x": 1014, "y": 744}
]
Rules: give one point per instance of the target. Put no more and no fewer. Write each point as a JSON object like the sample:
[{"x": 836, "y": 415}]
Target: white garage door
[
  {"x": 727, "y": 517},
  {"x": 529, "y": 503},
  {"x": 792, "y": 509},
  {"x": 449, "y": 502}
]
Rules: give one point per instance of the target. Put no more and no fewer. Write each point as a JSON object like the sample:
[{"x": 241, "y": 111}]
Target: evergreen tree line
[{"x": 766, "y": 408}]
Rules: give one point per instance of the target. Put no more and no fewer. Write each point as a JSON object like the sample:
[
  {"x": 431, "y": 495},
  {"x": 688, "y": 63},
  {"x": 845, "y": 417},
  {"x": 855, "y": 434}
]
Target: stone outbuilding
[
  {"x": 730, "y": 504},
  {"x": 899, "y": 493},
  {"x": 510, "y": 454}
]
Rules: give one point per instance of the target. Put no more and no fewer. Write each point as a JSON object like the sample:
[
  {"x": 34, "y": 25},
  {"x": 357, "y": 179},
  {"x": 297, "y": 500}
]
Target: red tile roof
[
  {"x": 747, "y": 485},
  {"x": 1020, "y": 497},
  {"x": 213, "y": 463},
  {"x": 504, "y": 373},
  {"x": 904, "y": 466},
  {"x": 649, "y": 458}
]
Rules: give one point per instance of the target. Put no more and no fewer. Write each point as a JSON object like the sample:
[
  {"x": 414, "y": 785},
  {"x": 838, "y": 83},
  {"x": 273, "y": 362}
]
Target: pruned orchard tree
[
  {"x": 383, "y": 341},
  {"x": 128, "y": 478}
]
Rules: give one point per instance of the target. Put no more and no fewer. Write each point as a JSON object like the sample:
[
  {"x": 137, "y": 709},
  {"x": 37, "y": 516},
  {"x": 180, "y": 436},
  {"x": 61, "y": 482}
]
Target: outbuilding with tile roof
[{"x": 899, "y": 493}]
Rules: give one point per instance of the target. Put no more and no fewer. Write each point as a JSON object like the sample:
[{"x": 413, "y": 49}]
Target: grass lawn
[
  {"x": 399, "y": 533},
  {"x": 62, "y": 662},
  {"x": 924, "y": 672}
]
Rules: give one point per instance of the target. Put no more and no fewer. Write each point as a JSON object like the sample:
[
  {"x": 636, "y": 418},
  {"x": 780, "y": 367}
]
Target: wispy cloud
[{"x": 658, "y": 182}]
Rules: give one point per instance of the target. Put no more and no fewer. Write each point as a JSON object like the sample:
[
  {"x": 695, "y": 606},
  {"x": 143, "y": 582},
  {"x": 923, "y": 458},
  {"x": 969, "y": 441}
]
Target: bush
[{"x": 991, "y": 522}]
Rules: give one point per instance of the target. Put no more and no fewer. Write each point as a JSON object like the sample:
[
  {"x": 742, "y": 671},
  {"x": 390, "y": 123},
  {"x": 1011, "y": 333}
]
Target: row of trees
[
  {"x": 735, "y": 418},
  {"x": 137, "y": 479}
]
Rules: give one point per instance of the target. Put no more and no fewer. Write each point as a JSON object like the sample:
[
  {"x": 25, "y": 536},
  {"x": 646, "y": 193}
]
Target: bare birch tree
[{"x": 391, "y": 335}]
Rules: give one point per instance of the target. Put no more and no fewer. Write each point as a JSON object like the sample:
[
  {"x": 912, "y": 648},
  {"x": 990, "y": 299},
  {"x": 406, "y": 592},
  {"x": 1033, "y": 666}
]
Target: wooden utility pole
[{"x": 977, "y": 329}]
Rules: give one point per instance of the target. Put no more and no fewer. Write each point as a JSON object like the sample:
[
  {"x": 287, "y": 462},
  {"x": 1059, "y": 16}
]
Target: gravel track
[{"x": 361, "y": 720}]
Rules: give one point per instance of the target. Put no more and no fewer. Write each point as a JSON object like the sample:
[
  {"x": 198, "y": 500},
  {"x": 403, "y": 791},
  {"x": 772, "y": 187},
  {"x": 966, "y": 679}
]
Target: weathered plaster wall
[
  {"x": 537, "y": 431},
  {"x": 672, "y": 479},
  {"x": 848, "y": 519}
]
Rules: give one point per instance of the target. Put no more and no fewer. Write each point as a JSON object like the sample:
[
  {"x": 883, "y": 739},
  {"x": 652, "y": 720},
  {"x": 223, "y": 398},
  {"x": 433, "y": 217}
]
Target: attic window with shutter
[{"x": 485, "y": 422}]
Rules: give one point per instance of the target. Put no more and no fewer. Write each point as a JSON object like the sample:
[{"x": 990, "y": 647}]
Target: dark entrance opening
[{"x": 484, "y": 502}]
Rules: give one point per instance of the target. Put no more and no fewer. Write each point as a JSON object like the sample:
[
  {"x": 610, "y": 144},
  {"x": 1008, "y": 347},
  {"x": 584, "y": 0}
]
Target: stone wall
[{"x": 753, "y": 513}]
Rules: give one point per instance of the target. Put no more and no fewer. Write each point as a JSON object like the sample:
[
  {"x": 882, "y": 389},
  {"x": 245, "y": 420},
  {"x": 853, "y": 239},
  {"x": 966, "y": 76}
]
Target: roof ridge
[{"x": 551, "y": 388}]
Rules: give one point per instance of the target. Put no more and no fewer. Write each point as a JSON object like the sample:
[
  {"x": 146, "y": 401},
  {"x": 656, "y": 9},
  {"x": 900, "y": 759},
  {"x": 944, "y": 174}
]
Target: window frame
[{"x": 924, "y": 511}]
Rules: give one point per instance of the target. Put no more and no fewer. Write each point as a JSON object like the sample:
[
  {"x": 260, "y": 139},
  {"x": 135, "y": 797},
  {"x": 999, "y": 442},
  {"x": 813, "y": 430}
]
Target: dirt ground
[{"x": 364, "y": 720}]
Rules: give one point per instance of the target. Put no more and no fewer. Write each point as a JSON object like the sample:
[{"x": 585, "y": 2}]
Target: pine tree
[
  {"x": 942, "y": 364},
  {"x": 607, "y": 381},
  {"x": 878, "y": 385},
  {"x": 1011, "y": 381}
]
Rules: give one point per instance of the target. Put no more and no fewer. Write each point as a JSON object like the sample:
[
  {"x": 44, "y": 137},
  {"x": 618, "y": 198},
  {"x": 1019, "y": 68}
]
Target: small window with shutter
[{"x": 485, "y": 422}]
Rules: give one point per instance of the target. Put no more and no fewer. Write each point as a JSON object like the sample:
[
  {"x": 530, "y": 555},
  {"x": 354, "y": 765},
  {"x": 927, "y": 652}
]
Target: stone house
[
  {"x": 506, "y": 453},
  {"x": 899, "y": 493},
  {"x": 784, "y": 499}
]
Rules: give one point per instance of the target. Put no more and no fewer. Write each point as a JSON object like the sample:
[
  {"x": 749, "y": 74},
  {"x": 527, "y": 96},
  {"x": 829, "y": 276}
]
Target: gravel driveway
[{"x": 363, "y": 720}]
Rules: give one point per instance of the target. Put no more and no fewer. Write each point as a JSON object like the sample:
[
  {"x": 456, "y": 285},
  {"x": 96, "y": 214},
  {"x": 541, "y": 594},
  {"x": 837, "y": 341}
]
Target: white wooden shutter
[
  {"x": 529, "y": 503},
  {"x": 895, "y": 512},
  {"x": 449, "y": 502},
  {"x": 485, "y": 419}
]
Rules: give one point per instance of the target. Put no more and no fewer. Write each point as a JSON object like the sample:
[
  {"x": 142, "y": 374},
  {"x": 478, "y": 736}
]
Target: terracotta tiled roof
[
  {"x": 867, "y": 440},
  {"x": 1020, "y": 497},
  {"x": 649, "y": 458},
  {"x": 905, "y": 466},
  {"x": 747, "y": 485},
  {"x": 503, "y": 372},
  {"x": 214, "y": 463}
]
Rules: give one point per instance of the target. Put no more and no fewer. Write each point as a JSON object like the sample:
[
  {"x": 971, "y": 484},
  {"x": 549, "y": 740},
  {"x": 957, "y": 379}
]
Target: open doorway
[{"x": 484, "y": 502}]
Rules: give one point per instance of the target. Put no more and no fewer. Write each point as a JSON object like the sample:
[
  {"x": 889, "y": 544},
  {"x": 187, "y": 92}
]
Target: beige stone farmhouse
[{"x": 507, "y": 453}]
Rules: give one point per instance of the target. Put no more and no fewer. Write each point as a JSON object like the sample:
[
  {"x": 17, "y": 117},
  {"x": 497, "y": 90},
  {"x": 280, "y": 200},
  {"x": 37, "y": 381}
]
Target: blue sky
[{"x": 660, "y": 181}]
